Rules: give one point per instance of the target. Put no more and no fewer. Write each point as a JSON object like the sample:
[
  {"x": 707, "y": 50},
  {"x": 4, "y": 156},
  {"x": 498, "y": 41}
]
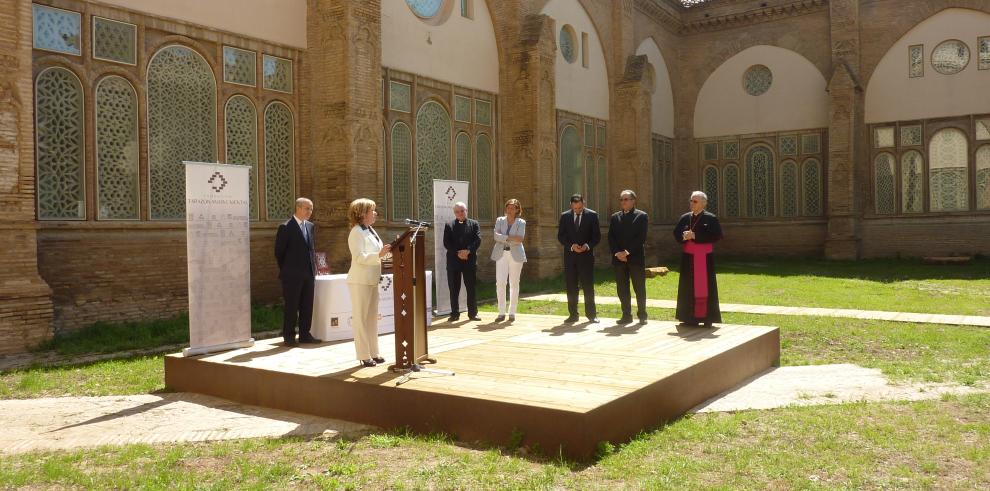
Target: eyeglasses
[{"x": 694, "y": 201}]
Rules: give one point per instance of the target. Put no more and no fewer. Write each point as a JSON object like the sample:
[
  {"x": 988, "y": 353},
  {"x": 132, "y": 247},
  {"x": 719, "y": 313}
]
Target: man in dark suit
[
  {"x": 627, "y": 239},
  {"x": 579, "y": 233},
  {"x": 294, "y": 251},
  {"x": 461, "y": 238}
]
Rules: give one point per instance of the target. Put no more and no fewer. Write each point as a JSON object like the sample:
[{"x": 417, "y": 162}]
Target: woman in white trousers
[
  {"x": 367, "y": 251},
  {"x": 509, "y": 256}
]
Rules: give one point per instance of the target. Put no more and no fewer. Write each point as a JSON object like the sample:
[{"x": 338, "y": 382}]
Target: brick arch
[
  {"x": 902, "y": 23},
  {"x": 187, "y": 42}
]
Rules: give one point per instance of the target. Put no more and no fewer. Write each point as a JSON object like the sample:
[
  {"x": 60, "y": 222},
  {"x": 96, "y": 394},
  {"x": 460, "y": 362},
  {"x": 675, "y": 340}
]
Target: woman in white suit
[
  {"x": 367, "y": 251},
  {"x": 509, "y": 256}
]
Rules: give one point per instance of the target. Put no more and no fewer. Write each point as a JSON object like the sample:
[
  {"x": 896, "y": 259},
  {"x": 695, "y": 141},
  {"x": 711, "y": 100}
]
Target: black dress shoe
[
  {"x": 454, "y": 318},
  {"x": 708, "y": 324},
  {"x": 290, "y": 343},
  {"x": 310, "y": 340},
  {"x": 593, "y": 320},
  {"x": 572, "y": 319},
  {"x": 368, "y": 363},
  {"x": 378, "y": 359},
  {"x": 474, "y": 317},
  {"x": 500, "y": 318},
  {"x": 626, "y": 319}
]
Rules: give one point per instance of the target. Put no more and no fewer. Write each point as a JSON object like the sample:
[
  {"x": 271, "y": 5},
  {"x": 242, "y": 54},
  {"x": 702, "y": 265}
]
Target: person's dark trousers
[
  {"x": 454, "y": 275},
  {"x": 624, "y": 272},
  {"x": 298, "y": 296},
  {"x": 579, "y": 269}
]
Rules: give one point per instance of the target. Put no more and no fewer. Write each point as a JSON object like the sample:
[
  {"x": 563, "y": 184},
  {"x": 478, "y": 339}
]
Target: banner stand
[
  {"x": 445, "y": 194},
  {"x": 218, "y": 251}
]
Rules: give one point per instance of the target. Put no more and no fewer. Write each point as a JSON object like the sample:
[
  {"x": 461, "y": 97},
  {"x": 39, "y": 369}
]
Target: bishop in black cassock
[{"x": 697, "y": 292}]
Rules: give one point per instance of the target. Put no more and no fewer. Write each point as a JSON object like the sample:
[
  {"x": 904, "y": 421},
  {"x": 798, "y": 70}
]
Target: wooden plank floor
[{"x": 537, "y": 367}]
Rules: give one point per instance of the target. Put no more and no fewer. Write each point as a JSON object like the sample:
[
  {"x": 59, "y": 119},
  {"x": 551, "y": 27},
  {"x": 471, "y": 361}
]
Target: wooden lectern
[{"x": 409, "y": 283}]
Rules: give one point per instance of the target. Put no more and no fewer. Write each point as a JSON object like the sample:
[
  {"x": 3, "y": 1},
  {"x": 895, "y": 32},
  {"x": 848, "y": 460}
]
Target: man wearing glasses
[
  {"x": 697, "y": 292},
  {"x": 627, "y": 239}
]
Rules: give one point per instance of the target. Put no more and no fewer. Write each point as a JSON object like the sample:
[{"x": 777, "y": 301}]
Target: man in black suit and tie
[
  {"x": 294, "y": 251},
  {"x": 579, "y": 233},
  {"x": 461, "y": 238},
  {"x": 626, "y": 239}
]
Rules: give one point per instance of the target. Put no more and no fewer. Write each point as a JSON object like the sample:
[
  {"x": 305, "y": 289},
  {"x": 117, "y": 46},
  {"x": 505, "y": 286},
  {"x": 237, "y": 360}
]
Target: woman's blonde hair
[
  {"x": 358, "y": 209},
  {"x": 515, "y": 202}
]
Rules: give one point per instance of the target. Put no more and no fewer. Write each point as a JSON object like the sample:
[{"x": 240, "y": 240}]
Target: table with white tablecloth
[{"x": 332, "y": 306}]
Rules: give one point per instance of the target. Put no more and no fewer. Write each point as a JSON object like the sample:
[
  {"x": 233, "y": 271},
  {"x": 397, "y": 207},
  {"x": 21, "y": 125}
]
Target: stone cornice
[
  {"x": 777, "y": 11},
  {"x": 664, "y": 15}
]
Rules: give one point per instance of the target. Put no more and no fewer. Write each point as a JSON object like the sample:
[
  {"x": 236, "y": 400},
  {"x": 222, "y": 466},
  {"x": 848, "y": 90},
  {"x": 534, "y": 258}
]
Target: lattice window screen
[
  {"x": 710, "y": 186},
  {"x": 732, "y": 193},
  {"x": 912, "y": 172},
  {"x": 883, "y": 167},
  {"x": 117, "y": 149},
  {"x": 60, "y": 146},
  {"x": 432, "y": 153},
  {"x": 948, "y": 178},
  {"x": 788, "y": 189},
  {"x": 182, "y": 125},
  {"x": 401, "y": 172},
  {"x": 759, "y": 182},
  {"x": 812, "y": 188},
  {"x": 279, "y": 161},
  {"x": 485, "y": 187},
  {"x": 241, "y": 126}
]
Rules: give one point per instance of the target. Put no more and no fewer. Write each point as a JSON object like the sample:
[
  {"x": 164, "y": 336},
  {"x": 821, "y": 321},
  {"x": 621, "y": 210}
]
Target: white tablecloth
[{"x": 332, "y": 306}]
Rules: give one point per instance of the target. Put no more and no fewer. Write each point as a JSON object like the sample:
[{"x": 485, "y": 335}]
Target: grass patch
[
  {"x": 877, "y": 284},
  {"x": 942, "y": 444},
  {"x": 139, "y": 375},
  {"x": 105, "y": 337},
  {"x": 904, "y": 351}
]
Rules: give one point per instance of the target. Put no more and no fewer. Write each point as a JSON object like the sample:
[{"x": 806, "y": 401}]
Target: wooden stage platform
[{"x": 563, "y": 386}]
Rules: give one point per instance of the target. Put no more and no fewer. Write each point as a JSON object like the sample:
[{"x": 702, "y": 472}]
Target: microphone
[{"x": 410, "y": 221}]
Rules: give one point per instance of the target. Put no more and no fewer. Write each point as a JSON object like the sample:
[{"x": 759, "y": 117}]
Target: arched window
[
  {"x": 948, "y": 178},
  {"x": 788, "y": 189},
  {"x": 241, "y": 126},
  {"x": 60, "y": 146},
  {"x": 912, "y": 172},
  {"x": 182, "y": 125},
  {"x": 280, "y": 159},
  {"x": 432, "y": 153},
  {"x": 571, "y": 174},
  {"x": 485, "y": 187},
  {"x": 463, "y": 153},
  {"x": 884, "y": 192},
  {"x": 759, "y": 181},
  {"x": 983, "y": 178},
  {"x": 602, "y": 188},
  {"x": 710, "y": 186},
  {"x": 590, "y": 196},
  {"x": 401, "y": 172},
  {"x": 812, "y": 187},
  {"x": 117, "y": 150},
  {"x": 732, "y": 201}
]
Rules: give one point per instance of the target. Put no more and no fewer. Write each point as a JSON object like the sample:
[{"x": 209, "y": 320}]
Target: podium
[{"x": 409, "y": 283}]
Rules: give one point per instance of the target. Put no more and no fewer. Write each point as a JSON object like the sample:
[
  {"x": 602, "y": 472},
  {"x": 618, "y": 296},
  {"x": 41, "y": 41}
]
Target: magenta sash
[{"x": 699, "y": 253}]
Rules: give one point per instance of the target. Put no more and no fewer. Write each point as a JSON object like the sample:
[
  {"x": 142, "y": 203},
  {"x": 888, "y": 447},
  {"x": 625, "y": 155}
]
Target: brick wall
[
  {"x": 25, "y": 299},
  {"x": 119, "y": 275}
]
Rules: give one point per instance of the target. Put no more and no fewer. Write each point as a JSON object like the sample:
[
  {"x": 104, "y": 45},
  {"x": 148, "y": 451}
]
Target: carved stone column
[
  {"x": 25, "y": 298},
  {"x": 845, "y": 147},
  {"x": 529, "y": 167},
  {"x": 341, "y": 110},
  {"x": 631, "y": 134}
]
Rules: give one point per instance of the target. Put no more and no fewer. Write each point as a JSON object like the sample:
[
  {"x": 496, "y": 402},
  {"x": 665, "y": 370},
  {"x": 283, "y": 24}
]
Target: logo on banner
[
  {"x": 216, "y": 178},
  {"x": 335, "y": 322},
  {"x": 451, "y": 193}
]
